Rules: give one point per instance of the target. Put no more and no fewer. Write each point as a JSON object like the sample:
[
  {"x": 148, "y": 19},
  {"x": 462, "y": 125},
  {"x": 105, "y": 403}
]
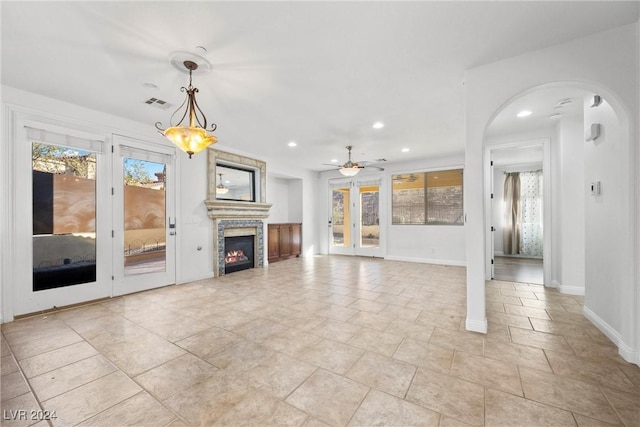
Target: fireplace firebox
[{"x": 239, "y": 253}]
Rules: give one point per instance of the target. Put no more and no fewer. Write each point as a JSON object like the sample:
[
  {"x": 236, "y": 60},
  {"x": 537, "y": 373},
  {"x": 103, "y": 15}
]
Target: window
[{"x": 428, "y": 198}]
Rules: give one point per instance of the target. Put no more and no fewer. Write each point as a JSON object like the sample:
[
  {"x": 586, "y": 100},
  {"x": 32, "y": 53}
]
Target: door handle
[{"x": 172, "y": 233}]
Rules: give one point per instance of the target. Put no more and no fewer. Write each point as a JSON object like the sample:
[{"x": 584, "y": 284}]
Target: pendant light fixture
[
  {"x": 192, "y": 137},
  {"x": 220, "y": 188}
]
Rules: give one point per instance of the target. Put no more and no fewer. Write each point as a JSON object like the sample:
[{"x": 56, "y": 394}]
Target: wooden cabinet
[{"x": 285, "y": 241}]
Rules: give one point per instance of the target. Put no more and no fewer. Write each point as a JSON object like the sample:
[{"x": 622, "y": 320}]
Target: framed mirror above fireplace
[{"x": 233, "y": 177}]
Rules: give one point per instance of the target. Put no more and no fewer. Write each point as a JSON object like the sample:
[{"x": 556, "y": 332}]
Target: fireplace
[{"x": 238, "y": 253}]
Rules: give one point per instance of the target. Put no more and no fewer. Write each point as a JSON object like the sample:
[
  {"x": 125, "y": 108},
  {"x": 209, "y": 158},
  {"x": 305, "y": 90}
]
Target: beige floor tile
[
  {"x": 9, "y": 365},
  {"x": 509, "y": 319},
  {"x": 428, "y": 356},
  {"x": 336, "y": 330},
  {"x": 503, "y": 409},
  {"x": 293, "y": 342},
  {"x": 140, "y": 410},
  {"x": 458, "y": 340},
  {"x": 521, "y": 355},
  {"x": 376, "y": 341},
  {"x": 259, "y": 330},
  {"x": 487, "y": 372},
  {"x": 495, "y": 331},
  {"x": 565, "y": 316},
  {"x": 592, "y": 349},
  {"x": 25, "y": 347},
  {"x": 13, "y": 385},
  {"x": 314, "y": 422},
  {"x": 589, "y": 370},
  {"x": 562, "y": 328},
  {"x": 206, "y": 401},
  {"x": 58, "y": 381},
  {"x": 333, "y": 355},
  {"x": 381, "y": 409},
  {"x": 407, "y": 313},
  {"x": 383, "y": 373},
  {"x": 207, "y": 343},
  {"x": 337, "y": 312},
  {"x": 259, "y": 408},
  {"x": 18, "y": 411},
  {"x": 279, "y": 375},
  {"x": 140, "y": 354},
  {"x": 440, "y": 320},
  {"x": 174, "y": 327},
  {"x": 240, "y": 356},
  {"x": 451, "y": 422},
  {"x": 627, "y": 405},
  {"x": 415, "y": 331},
  {"x": 540, "y": 340},
  {"x": 448, "y": 395},
  {"x": 54, "y": 359},
  {"x": 175, "y": 376},
  {"x": 520, "y": 310},
  {"x": 583, "y": 421},
  {"x": 83, "y": 402},
  {"x": 329, "y": 397},
  {"x": 566, "y": 393},
  {"x": 229, "y": 319},
  {"x": 370, "y": 320}
]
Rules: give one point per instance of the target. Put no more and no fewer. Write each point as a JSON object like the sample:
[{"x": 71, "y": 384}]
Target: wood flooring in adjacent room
[
  {"x": 316, "y": 341},
  {"x": 517, "y": 269}
]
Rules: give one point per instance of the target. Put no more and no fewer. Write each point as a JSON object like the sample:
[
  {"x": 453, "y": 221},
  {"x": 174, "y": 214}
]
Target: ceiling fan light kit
[{"x": 193, "y": 138}]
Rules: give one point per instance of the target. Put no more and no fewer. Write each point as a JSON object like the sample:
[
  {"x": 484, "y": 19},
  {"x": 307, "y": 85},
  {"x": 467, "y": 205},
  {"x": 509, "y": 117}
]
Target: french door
[
  {"x": 144, "y": 223},
  {"x": 62, "y": 238},
  {"x": 355, "y": 218}
]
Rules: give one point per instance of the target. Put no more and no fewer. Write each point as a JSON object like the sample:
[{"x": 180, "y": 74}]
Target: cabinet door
[
  {"x": 274, "y": 242},
  {"x": 285, "y": 240},
  {"x": 296, "y": 239}
]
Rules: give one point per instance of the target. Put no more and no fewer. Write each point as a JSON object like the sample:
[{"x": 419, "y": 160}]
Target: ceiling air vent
[{"x": 159, "y": 103}]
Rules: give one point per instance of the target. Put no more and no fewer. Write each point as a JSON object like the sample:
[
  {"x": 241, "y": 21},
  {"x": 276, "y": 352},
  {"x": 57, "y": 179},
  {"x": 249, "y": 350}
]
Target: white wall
[
  {"x": 278, "y": 196},
  {"x": 571, "y": 227},
  {"x": 605, "y": 219},
  {"x": 436, "y": 244},
  {"x": 614, "y": 75}
]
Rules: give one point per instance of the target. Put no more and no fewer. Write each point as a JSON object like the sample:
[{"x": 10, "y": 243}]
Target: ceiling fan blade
[{"x": 375, "y": 167}]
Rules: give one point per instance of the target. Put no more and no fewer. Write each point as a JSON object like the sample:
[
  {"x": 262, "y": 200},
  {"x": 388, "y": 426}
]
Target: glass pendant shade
[
  {"x": 352, "y": 171},
  {"x": 191, "y": 140},
  {"x": 221, "y": 189}
]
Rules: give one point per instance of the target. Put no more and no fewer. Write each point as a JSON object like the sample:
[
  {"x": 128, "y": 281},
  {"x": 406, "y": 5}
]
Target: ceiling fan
[{"x": 352, "y": 168}]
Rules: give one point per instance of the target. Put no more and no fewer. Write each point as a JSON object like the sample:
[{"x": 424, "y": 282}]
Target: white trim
[
  {"x": 426, "y": 260},
  {"x": 476, "y": 325},
  {"x": 624, "y": 350}
]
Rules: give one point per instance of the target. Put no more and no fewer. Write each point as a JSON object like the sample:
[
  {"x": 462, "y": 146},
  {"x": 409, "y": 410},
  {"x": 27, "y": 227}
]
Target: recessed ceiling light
[
  {"x": 405, "y": 150},
  {"x": 150, "y": 85},
  {"x": 524, "y": 113},
  {"x": 334, "y": 160},
  {"x": 378, "y": 125},
  {"x": 292, "y": 144},
  {"x": 555, "y": 116}
]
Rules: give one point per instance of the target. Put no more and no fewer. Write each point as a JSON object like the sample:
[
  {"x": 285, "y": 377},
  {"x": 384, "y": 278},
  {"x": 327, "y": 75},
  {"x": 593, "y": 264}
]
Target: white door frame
[{"x": 546, "y": 215}]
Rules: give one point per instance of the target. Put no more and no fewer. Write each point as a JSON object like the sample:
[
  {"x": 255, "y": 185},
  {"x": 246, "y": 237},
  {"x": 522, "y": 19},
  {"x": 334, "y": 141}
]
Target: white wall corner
[
  {"x": 476, "y": 325},
  {"x": 627, "y": 352},
  {"x": 554, "y": 284}
]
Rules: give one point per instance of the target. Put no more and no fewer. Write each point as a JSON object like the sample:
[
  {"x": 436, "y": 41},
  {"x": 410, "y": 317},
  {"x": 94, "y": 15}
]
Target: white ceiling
[{"x": 317, "y": 73}]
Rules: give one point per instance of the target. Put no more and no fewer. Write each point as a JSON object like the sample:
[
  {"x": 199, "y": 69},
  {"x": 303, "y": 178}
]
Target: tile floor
[{"x": 323, "y": 341}]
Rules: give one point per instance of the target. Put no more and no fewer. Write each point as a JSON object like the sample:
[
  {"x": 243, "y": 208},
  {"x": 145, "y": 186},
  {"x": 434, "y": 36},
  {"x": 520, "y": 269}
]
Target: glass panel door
[
  {"x": 61, "y": 236},
  {"x": 144, "y": 219},
  {"x": 341, "y": 219},
  {"x": 355, "y": 218}
]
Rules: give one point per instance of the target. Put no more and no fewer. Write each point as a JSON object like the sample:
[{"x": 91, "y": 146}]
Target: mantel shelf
[{"x": 223, "y": 209}]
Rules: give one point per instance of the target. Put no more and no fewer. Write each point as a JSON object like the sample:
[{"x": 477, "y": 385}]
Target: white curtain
[{"x": 531, "y": 210}]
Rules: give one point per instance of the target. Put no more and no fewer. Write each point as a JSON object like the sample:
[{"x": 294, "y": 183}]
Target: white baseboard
[
  {"x": 426, "y": 260},
  {"x": 476, "y": 325},
  {"x": 555, "y": 284},
  {"x": 625, "y": 351}
]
